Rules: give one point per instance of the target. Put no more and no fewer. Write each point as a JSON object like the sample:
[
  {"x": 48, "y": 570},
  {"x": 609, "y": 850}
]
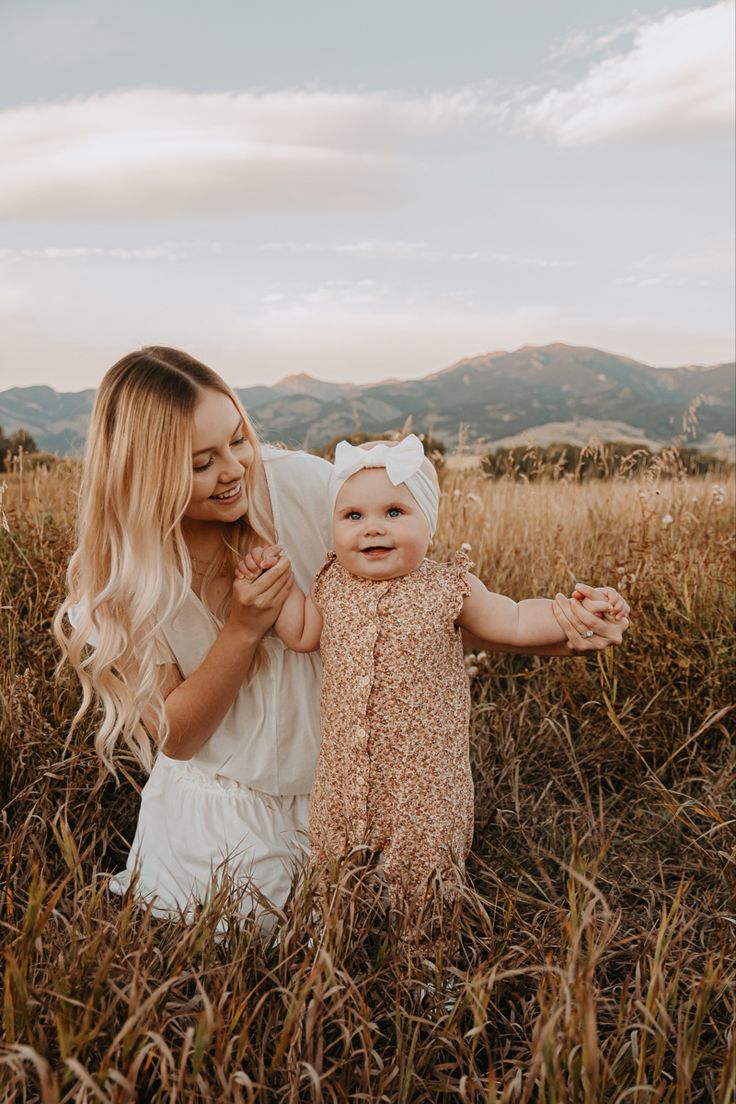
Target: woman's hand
[
  {"x": 258, "y": 560},
  {"x": 261, "y": 587},
  {"x": 593, "y": 619}
]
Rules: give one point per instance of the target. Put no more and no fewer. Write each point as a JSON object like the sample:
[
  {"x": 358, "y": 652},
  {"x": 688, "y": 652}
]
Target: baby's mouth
[{"x": 376, "y": 550}]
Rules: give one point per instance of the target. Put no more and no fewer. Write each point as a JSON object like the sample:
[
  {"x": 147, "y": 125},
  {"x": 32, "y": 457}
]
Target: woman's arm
[
  {"x": 195, "y": 706},
  {"x": 299, "y": 625}
]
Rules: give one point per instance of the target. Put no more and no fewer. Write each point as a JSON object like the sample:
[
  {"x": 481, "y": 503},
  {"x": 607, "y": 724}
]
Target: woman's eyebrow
[{"x": 213, "y": 448}]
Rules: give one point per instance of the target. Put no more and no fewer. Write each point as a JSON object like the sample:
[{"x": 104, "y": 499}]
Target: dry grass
[{"x": 598, "y": 934}]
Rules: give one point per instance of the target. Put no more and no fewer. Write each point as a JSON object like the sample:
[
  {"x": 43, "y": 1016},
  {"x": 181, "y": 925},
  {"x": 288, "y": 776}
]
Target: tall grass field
[{"x": 597, "y": 938}]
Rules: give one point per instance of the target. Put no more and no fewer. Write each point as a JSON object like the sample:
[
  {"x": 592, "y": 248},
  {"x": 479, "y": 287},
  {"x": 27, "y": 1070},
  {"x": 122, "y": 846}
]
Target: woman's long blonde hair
[{"x": 131, "y": 569}]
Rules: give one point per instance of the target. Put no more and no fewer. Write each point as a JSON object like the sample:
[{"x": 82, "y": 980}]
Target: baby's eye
[
  {"x": 394, "y": 511},
  {"x": 353, "y": 515}
]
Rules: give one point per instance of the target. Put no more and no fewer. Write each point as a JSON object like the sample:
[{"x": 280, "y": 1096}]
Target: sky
[{"x": 362, "y": 191}]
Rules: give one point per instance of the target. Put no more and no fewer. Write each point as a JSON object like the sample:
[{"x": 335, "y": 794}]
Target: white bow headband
[{"x": 403, "y": 464}]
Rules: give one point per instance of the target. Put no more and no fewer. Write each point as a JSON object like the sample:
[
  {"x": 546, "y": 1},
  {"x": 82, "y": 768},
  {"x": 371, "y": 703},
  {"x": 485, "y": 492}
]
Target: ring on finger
[{"x": 588, "y": 633}]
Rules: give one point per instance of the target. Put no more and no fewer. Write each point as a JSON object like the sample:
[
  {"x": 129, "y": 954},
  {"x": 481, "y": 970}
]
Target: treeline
[
  {"x": 598, "y": 460},
  {"x": 14, "y": 445},
  {"x": 433, "y": 447}
]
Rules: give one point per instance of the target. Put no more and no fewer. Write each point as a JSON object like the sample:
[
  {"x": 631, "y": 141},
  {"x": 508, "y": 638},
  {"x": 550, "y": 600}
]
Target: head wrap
[{"x": 403, "y": 464}]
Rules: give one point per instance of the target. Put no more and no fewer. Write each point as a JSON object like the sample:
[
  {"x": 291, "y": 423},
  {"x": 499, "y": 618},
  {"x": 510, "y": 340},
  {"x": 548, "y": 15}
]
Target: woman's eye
[{"x": 203, "y": 467}]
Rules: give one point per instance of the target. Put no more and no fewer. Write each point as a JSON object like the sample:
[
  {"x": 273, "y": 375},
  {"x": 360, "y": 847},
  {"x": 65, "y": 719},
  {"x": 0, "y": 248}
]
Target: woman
[{"x": 176, "y": 488}]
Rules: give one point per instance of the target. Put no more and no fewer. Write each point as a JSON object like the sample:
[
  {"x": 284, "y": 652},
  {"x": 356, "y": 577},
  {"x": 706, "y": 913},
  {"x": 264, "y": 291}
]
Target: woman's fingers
[
  {"x": 570, "y": 627},
  {"x": 585, "y": 631},
  {"x": 267, "y": 587},
  {"x": 576, "y": 622},
  {"x": 596, "y": 607}
]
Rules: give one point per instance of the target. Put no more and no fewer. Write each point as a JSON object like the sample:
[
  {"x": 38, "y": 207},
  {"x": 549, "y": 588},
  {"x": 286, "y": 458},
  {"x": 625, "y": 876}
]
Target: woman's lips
[{"x": 230, "y": 499}]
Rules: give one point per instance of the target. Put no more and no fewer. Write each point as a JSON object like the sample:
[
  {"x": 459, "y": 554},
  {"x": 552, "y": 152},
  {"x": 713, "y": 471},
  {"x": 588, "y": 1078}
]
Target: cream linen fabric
[
  {"x": 269, "y": 739},
  {"x": 195, "y": 832},
  {"x": 239, "y": 807}
]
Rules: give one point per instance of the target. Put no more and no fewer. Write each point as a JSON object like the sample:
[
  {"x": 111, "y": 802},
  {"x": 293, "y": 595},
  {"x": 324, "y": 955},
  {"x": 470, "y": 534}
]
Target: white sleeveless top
[{"x": 269, "y": 738}]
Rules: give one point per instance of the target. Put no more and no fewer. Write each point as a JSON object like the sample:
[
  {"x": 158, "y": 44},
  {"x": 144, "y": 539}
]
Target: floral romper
[{"x": 394, "y": 764}]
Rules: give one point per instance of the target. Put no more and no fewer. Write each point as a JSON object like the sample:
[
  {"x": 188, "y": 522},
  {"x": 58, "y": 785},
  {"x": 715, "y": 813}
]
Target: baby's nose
[{"x": 374, "y": 525}]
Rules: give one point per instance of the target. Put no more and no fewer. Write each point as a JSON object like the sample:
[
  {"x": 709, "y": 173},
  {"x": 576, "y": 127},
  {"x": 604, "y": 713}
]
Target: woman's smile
[{"x": 229, "y": 496}]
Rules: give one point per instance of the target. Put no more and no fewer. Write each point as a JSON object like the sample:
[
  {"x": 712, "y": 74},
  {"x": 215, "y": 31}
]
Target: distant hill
[{"x": 535, "y": 393}]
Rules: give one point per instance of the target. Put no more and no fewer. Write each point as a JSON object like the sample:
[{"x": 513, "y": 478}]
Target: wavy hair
[{"x": 131, "y": 570}]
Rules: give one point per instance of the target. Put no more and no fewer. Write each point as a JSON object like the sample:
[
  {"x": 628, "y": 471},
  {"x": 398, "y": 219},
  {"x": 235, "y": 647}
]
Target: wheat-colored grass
[{"x": 597, "y": 938}]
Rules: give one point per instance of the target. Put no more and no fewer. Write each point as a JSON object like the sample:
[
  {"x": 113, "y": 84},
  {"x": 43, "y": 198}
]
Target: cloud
[
  {"x": 163, "y": 251},
  {"x": 328, "y": 297},
  {"x": 533, "y": 262},
  {"x": 703, "y": 268},
  {"x": 372, "y": 248},
  {"x": 158, "y": 153},
  {"x": 404, "y": 250},
  {"x": 579, "y": 43},
  {"x": 677, "y": 79}
]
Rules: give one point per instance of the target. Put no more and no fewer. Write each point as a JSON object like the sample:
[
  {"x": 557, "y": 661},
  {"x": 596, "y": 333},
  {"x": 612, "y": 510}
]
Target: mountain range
[{"x": 537, "y": 393}]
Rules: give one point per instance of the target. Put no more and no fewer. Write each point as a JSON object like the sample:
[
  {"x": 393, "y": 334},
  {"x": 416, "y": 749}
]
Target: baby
[{"x": 394, "y": 765}]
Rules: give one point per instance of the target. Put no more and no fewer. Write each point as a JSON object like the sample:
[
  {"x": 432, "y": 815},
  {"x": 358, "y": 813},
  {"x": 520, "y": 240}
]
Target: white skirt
[{"x": 195, "y": 831}]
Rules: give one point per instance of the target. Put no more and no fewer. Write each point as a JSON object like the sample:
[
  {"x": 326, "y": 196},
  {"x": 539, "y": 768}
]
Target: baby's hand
[
  {"x": 603, "y": 601},
  {"x": 258, "y": 560}
]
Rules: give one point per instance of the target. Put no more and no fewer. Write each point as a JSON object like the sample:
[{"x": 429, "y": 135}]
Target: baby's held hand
[
  {"x": 603, "y": 601},
  {"x": 257, "y": 560}
]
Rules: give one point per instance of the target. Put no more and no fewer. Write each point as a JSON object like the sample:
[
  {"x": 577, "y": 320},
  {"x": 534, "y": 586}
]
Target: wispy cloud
[
  {"x": 681, "y": 268},
  {"x": 330, "y": 296},
  {"x": 163, "y": 251},
  {"x": 676, "y": 79},
  {"x": 410, "y": 250},
  {"x": 585, "y": 44},
  {"x": 372, "y": 248},
  {"x": 533, "y": 262},
  {"x": 158, "y": 153}
]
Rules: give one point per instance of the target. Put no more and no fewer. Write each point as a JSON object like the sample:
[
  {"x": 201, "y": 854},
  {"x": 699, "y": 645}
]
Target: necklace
[{"x": 207, "y": 564}]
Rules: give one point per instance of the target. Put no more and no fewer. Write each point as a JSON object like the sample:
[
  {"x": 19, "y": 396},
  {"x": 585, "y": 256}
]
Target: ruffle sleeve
[
  {"x": 455, "y": 573},
  {"x": 321, "y": 579}
]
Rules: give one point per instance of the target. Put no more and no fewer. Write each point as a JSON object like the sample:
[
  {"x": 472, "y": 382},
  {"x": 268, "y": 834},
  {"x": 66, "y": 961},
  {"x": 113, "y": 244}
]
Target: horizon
[
  {"x": 328, "y": 202},
  {"x": 398, "y": 379}
]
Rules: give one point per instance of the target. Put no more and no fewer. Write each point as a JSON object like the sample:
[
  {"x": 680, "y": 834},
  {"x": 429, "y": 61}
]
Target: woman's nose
[{"x": 232, "y": 469}]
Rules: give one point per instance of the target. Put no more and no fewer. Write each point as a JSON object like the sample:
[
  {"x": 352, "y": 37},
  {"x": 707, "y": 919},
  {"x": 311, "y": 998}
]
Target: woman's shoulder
[
  {"x": 310, "y": 469},
  {"x": 298, "y": 487}
]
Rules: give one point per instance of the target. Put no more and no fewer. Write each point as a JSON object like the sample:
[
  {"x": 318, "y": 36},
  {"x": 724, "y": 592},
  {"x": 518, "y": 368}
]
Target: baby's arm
[
  {"x": 299, "y": 624},
  {"x": 498, "y": 620}
]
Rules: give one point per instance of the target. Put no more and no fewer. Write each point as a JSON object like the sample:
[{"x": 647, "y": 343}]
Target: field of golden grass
[{"x": 598, "y": 932}]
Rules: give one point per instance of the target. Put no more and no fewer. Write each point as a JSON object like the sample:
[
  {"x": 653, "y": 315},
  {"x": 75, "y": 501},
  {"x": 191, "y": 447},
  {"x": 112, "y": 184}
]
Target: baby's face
[{"x": 379, "y": 530}]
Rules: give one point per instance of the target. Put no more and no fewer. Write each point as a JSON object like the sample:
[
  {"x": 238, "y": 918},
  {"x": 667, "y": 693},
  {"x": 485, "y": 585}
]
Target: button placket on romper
[{"x": 394, "y": 769}]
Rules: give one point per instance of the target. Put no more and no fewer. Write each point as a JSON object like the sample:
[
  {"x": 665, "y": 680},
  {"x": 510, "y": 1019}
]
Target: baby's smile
[{"x": 376, "y": 551}]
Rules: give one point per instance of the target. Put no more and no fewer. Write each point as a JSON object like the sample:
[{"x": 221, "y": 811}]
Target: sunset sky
[{"x": 362, "y": 191}]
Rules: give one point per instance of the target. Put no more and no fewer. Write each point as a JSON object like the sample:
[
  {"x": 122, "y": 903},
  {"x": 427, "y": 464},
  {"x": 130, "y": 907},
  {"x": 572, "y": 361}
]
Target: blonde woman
[{"x": 179, "y": 653}]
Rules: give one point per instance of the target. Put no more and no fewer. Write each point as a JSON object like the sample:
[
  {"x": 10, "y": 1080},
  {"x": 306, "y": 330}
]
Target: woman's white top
[{"x": 269, "y": 738}]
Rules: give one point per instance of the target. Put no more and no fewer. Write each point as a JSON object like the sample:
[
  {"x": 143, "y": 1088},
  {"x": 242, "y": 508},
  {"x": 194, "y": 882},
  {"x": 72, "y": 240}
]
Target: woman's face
[{"x": 221, "y": 455}]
